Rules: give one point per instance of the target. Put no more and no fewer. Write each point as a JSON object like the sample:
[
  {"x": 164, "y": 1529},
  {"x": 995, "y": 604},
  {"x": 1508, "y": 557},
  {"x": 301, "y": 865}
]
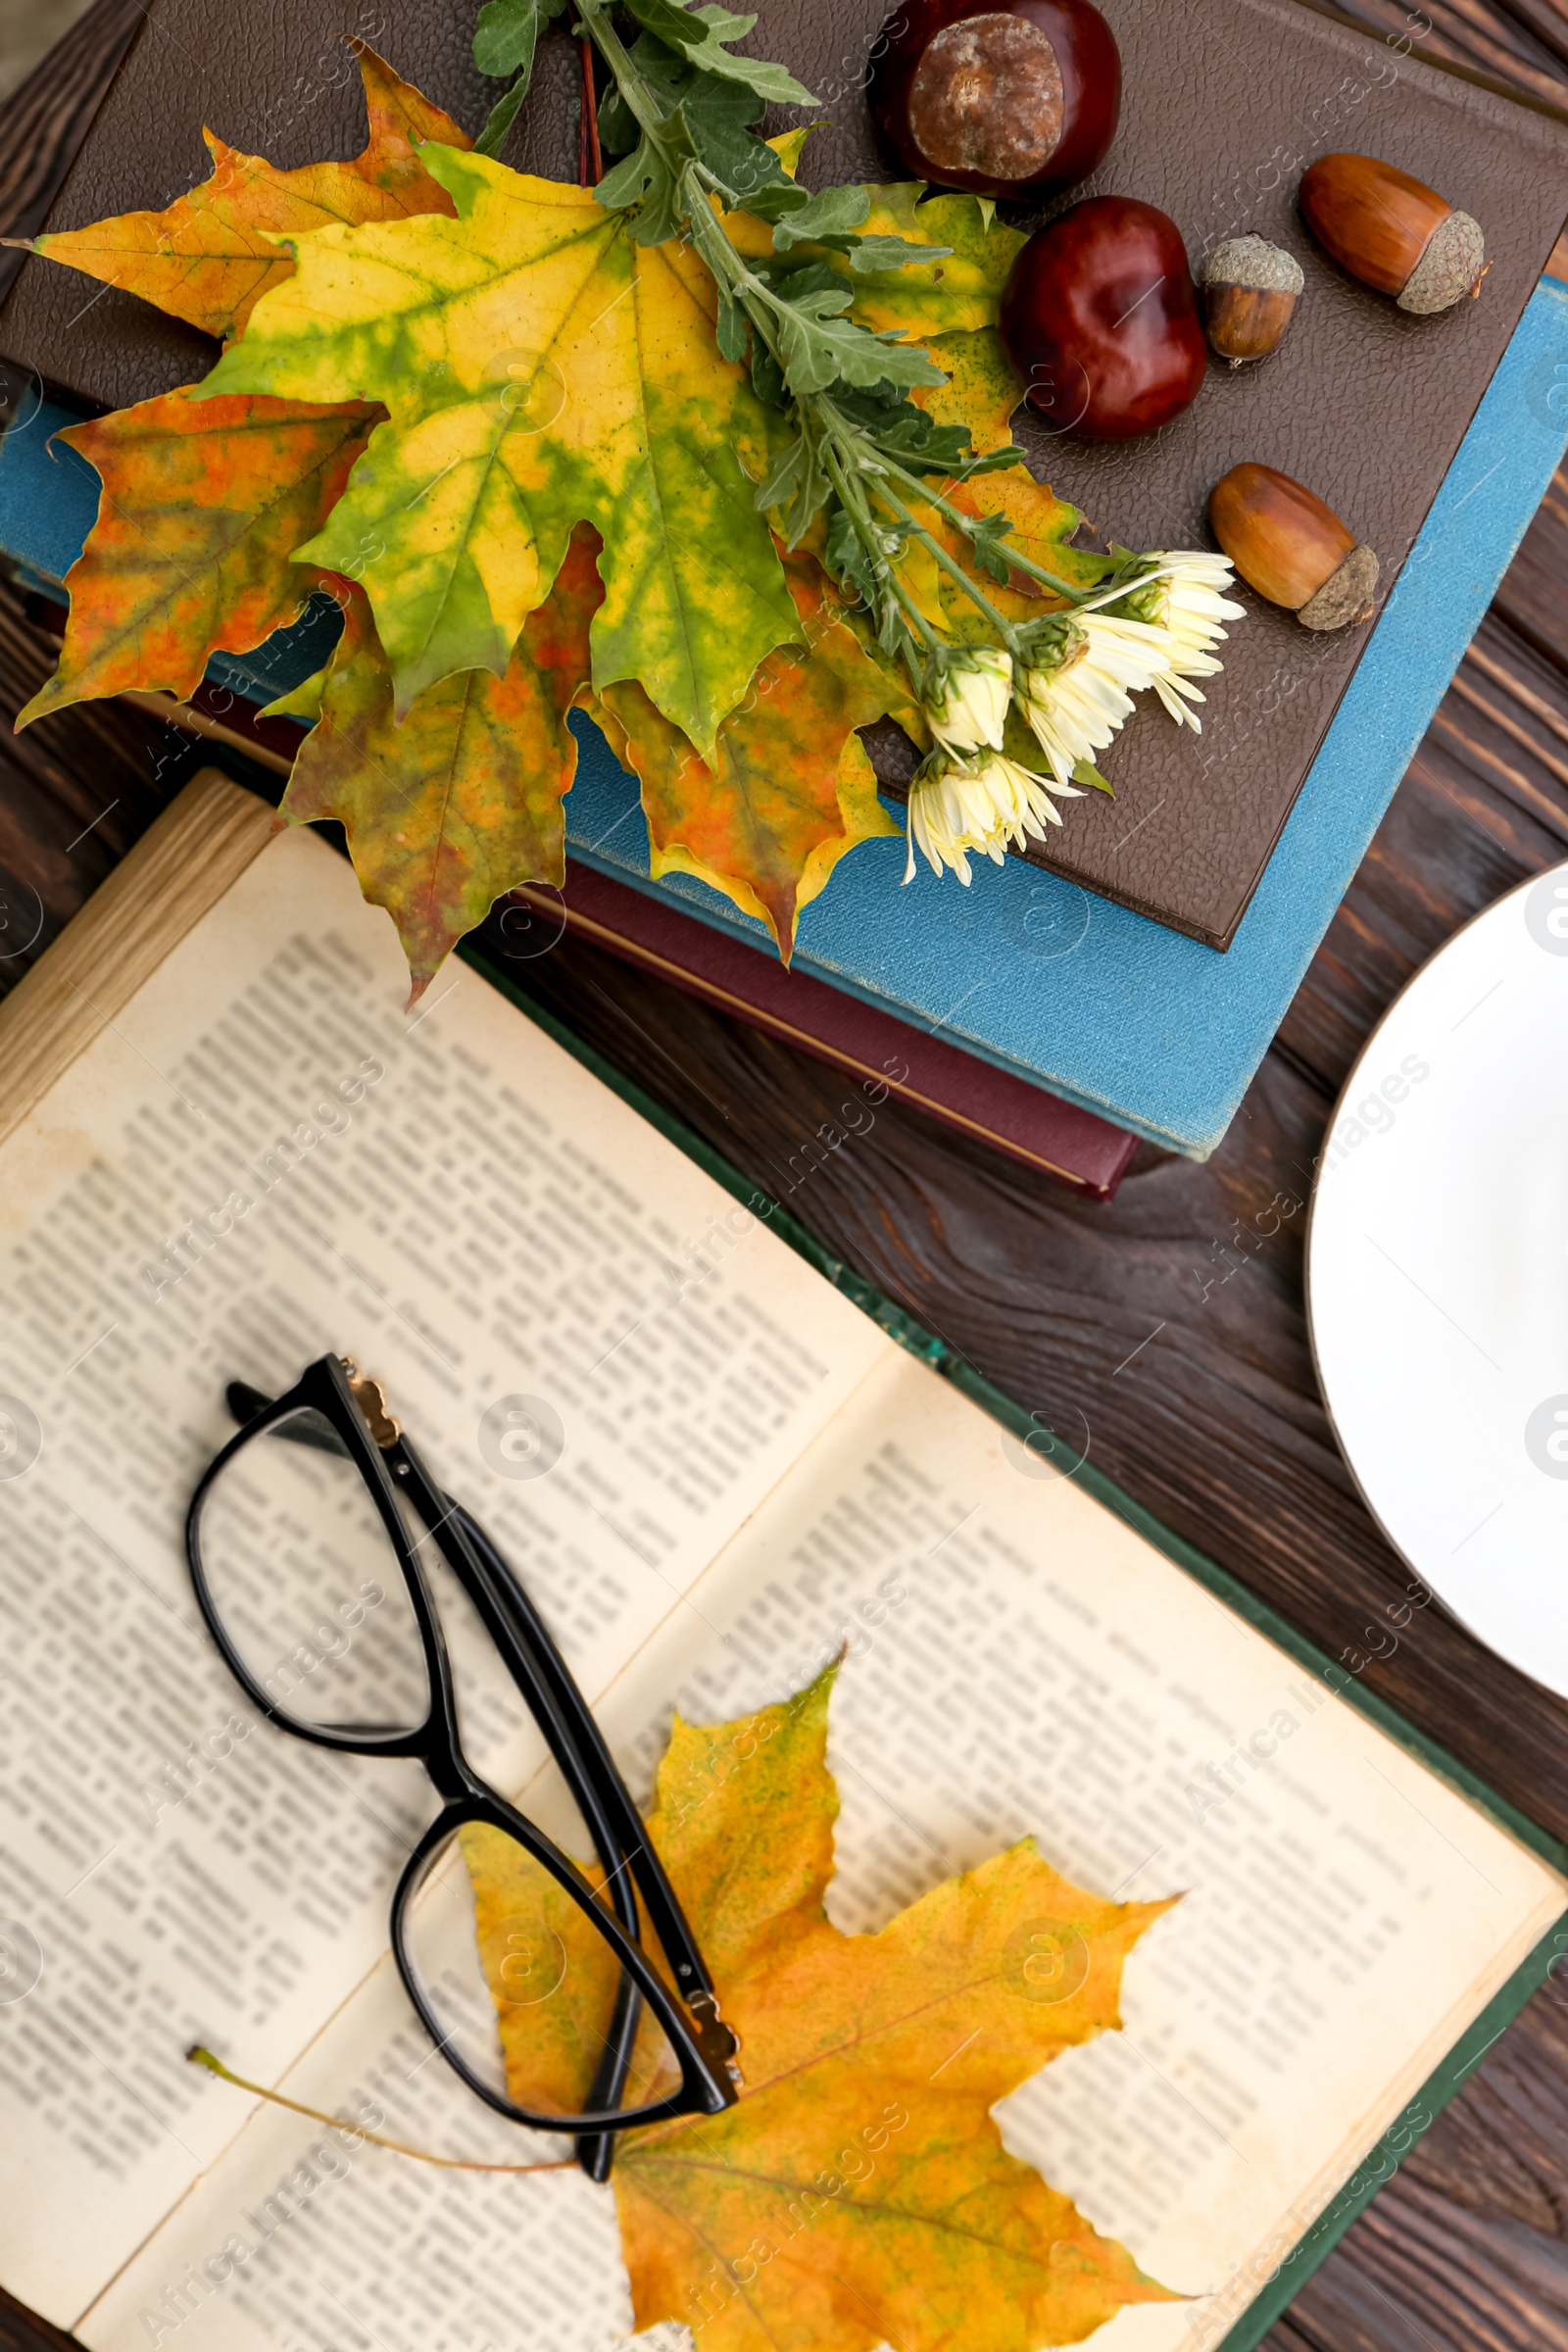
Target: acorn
[
  {"x": 1292, "y": 548},
  {"x": 1392, "y": 232},
  {"x": 1249, "y": 293}
]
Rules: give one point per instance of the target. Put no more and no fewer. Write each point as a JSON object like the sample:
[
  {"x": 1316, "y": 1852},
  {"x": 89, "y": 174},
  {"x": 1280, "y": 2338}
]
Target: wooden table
[{"x": 1199, "y": 1393}]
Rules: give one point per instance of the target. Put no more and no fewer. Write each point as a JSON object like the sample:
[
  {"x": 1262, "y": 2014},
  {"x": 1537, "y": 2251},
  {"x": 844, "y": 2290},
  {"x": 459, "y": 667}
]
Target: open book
[{"x": 228, "y": 1150}]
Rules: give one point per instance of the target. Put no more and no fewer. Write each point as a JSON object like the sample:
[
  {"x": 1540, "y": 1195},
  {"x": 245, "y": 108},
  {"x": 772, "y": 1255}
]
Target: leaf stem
[
  {"x": 589, "y": 156},
  {"x": 196, "y": 2055},
  {"x": 595, "y": 19},
  {"x": 927, "y": 632},
  {"x": 854, "y": 506}
]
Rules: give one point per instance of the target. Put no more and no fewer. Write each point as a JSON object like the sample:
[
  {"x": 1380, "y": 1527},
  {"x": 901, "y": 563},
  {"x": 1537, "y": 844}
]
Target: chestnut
[
  {"x": 1099, "y": 317},
  {"x": 1292, "y": 548},
  {"x": 1003, "y": 97}
]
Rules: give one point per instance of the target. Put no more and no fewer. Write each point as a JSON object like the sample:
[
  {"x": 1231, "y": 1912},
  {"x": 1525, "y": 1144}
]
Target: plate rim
[{"x": 1309, "y": 1283}]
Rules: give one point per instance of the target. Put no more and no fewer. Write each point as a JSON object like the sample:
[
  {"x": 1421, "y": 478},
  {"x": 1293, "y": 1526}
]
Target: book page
[
  {"x": 1019, "y": 1663},
  {"x": 260, "y": 1160}
]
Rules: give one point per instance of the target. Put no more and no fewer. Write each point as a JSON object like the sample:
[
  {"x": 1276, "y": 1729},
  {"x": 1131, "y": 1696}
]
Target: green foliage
[
  {"x": 702, "y": 117},
  {"x": 834, "y": 219},
  {"x": 504, "y": 43},
  {"x": 699, "y": 34}
]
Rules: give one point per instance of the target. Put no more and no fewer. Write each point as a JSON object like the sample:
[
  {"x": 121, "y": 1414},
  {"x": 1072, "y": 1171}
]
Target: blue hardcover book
[
  {"x": 1149, "y": 1028},
  {"x": 1025, "y": 968}
]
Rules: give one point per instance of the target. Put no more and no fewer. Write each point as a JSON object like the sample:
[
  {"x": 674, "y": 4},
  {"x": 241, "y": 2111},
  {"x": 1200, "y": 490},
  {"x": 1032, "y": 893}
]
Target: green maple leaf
[{"x": 540, "y": 369}]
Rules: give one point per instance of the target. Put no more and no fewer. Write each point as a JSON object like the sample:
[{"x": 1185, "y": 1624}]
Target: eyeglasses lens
[
  {"x": 307, "y": 1585},
  {"x": 525, "y": 1990}
]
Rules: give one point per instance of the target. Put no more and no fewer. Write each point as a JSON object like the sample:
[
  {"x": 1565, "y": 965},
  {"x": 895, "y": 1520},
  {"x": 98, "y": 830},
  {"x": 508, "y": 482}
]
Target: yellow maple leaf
[
  {"x": 922, "y": 299},
  {"x": 859, "y": 2193},
  {"x": 541, "y": 369},
  {"x": 207, "y": 257}
]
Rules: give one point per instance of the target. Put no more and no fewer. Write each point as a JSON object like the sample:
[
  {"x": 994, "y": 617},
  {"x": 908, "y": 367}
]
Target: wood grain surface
[
  {"x": 1167, "y": 1326},
  {"x": 44, "y": 118}
]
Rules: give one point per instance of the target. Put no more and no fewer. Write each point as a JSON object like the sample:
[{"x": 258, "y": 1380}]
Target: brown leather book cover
[{"x": 1226, "y": 101}]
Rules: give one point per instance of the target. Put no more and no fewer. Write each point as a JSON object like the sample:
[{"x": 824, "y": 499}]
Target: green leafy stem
[{"x": 682, "y": 114}]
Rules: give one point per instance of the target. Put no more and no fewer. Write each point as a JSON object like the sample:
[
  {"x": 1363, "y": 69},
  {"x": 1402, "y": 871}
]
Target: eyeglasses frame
[{"x": 702, "y": 2044}]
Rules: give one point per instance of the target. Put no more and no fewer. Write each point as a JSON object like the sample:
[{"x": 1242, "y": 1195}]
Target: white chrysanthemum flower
[
  {"x": 955, "y": 807},
  {"x": 967, "y": 698},
  {"x": 1186, "y": 610},
  {"x": 1076, "y": 708}
]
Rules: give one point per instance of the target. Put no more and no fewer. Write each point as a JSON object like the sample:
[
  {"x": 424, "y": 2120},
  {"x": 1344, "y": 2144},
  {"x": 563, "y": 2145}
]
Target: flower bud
[
  {"x": 966, "y": 697},
  {"x": 959, "y": 806}
]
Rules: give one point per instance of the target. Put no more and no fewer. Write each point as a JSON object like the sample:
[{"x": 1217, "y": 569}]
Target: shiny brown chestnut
[
  {"x": 1392, "y": 232},
  {"x": 1002, "y": 97},
  {"x": 1292, "y": 548},
  {"x": 1100, "y": 318}
]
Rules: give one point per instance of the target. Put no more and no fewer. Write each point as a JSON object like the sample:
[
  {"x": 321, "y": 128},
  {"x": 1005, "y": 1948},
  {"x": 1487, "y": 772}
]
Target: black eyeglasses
[{"x": 293, "y": 1535}]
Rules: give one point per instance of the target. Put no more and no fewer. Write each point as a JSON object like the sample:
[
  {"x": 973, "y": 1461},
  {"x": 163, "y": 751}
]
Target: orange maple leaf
[
  {"x": 202, "y": 503},
  {"x": 206, "y": 258},
  {"x": 791, "y": 788},
  {"x": 859, "y": 2193},
  {"x": 459, "y": 801}
]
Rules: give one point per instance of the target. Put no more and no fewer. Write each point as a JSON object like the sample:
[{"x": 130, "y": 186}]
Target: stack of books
[{"x": 1128, "y": 983}]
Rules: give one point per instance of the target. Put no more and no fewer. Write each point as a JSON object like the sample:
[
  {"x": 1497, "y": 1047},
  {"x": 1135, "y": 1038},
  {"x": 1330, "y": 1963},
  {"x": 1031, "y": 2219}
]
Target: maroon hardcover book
[{"x": 1071, "y": 1146}]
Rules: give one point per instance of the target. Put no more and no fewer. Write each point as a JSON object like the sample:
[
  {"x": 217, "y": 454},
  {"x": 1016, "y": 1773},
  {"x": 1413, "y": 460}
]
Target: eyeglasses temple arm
[
  {"x": 668, "y": 1920},
  {"x": 579, "y": 1750},
  {"x": 453, "y": 1534}
]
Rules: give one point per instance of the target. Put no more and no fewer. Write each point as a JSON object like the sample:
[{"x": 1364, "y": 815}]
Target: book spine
[{"x": 884, "y": 1055}]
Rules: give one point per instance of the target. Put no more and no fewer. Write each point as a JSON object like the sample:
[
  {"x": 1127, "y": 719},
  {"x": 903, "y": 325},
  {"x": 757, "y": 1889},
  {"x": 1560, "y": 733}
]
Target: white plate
[{"x": 1438, "y": 1275}]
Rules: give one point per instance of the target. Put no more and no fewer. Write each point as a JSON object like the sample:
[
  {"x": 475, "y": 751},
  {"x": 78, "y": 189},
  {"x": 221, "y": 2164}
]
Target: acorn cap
[
  {"x": 1254, "y": 262},
  {"x": 1451, "y": 266},
  {"x": 1347, "y": 595}
]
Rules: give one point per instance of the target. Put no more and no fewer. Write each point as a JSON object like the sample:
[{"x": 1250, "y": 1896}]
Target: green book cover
[{"x": 1278, "y": 2277}]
